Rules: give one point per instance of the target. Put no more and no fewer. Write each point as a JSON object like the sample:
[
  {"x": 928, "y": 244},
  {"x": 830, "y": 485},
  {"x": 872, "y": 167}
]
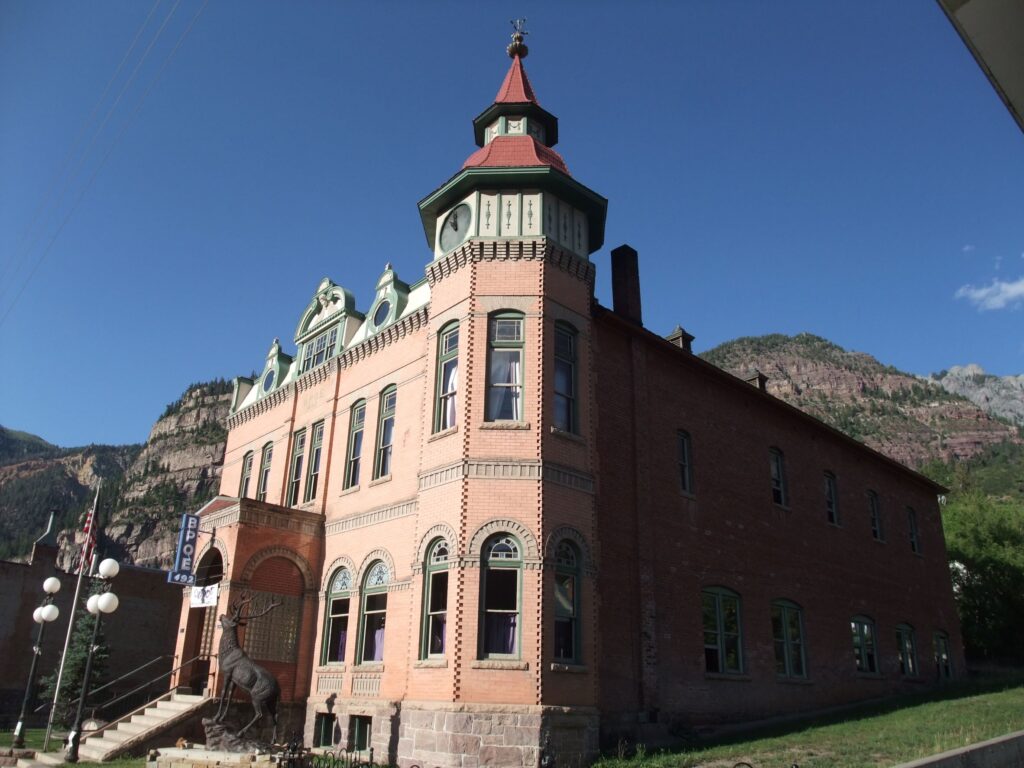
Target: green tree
[
  {"x": 74, "y": 666},
  {"x": 985, "y": 540}
]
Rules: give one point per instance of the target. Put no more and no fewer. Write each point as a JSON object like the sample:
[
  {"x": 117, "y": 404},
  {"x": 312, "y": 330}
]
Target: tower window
[
  {"x": 435, "y": 619},
  {"x": 447, "y": 378},
  {"x": 505, "y": 369},
  {"x": 567, "y": 624},
  {"x": 502, "y": 564},
  {"x": 565, "y": 378}
]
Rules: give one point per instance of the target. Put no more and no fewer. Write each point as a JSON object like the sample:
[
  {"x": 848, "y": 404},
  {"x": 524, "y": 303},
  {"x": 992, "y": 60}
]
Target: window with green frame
[
  {"x": 501, "y": 606},
  {"x": 567, "y": 603},
  {"x": 447, "y": 377},
  {"x": 357, "y": 421},
  {"x": 943, "y": 659},
  {"x": 243, "y": 486},
  {"x": 723, "y": 646},
  {"x": 565, "y": 378},
  {"x": 435, "y": 599},
  {"x": 906, "y": 650},
  {"x": 295, "y": 477},
  {"x": 316, "y": 447},
  {"x": 336, "y": 622},
  {"x": 373, "y": 612},
  {"x": 385, "y": 432},
  {"x": 862, "y": 630},
  {"x": 788, "y": 635},
  {"x": 505, "y": 367},
  {"x": 264, "y": 480},
  {"x": 319, "y": 349}
]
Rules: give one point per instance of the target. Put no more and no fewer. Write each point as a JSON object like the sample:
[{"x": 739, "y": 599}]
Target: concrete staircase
[{"x": 132, "y": 731}]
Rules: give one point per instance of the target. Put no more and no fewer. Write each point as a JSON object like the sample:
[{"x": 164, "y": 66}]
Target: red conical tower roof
[{"x": 516, "y": 88}]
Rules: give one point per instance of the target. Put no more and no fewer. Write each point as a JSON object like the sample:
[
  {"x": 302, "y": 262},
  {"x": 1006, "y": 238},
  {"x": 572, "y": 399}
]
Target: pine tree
[{"x": 74, "y": 666}]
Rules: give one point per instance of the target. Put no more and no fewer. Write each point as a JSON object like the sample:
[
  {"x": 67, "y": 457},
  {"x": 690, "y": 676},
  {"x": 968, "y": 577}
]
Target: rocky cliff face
[
  {"x": 1001, "y": 396},
  {"x": 907, "y": 418}
]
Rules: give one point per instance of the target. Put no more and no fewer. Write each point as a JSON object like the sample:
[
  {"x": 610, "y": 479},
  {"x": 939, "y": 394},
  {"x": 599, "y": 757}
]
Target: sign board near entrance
[
  {"x": 185, "y": 558},
  {"x": 204, "y": 597}
]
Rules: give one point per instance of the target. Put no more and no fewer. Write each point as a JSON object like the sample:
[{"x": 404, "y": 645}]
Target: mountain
[
  {"x": 910, "y": 419},
  {"x": 1001, "y": 396}
]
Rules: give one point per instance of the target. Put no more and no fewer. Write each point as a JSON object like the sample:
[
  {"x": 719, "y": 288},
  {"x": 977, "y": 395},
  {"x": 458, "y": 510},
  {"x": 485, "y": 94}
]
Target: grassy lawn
[{"x": 879, "y": 735}]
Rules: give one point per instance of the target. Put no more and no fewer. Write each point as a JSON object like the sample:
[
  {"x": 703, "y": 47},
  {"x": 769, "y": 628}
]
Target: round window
[
  {"x": 268, "y": 381},
  {"x": 381, "y": 314}
]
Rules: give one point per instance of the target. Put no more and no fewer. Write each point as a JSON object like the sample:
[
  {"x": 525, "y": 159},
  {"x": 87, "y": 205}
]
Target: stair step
[
  {"x": 192, "y": 698},
  {"x": 92, "y": 754},
  {"x": 131, "y": 728},
  {"x": 49, "y": 758},
  {"x": 175, "y": 706},
  {"x": 148, "y": 720}
]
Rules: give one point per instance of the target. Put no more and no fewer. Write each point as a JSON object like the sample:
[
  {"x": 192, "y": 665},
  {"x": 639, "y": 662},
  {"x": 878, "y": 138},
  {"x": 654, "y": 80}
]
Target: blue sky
[{"x": 838, "y": 168}]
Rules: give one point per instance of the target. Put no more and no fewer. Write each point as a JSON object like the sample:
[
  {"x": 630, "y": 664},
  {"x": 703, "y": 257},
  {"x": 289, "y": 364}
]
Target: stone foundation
[{"x": 447, "y": 735}]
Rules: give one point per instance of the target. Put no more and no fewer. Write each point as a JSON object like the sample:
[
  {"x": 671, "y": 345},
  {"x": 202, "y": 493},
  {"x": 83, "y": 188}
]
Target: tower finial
[{"x": 517, "y": 47}]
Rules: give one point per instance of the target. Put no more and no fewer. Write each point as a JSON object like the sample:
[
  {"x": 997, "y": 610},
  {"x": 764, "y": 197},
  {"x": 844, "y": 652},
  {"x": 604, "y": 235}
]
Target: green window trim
[
  {"x": 684, "y": 457},
  {"x": 780, "y": 487},
  {"x": 865, "y": 648},
  {"x": 875, "y": 515},
  {"x": 266, "y": 457},
  {"x": 723, "y": 631},
  {"x": 357, "y": 422},
  {"x": 243, "y": 485},
  {"x": 336, "y": 617},
  {"x": 906, "y": 650},
  {"x": 505, "y": 357},
  {"x": 373, "y": 605},
  {"x": 501, "y": 598},
  {"x": 447, "y": 379},
  {"x": 385, "y": 432},
  {"x": 831, "y": 499},
  {"x": 295, "y": 474},
  {"x": 788, "y": 638},
  {"x": 436, "y": 582},
  {"x": 319, "y": 349},
  {"x": 565, "y": 378},
  {"x": 567, "y": 603},
  {"x": 316, "y": 448}
]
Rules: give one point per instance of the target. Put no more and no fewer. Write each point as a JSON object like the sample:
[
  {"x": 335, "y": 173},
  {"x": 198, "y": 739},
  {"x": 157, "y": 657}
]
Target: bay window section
[
  {"x": 505, "y": 368},
  {"x": 447, "y": 378},
  {"x": 565, "y": 378},
  {"x": 567, "y": 622},
  {"x": 502, "y": 566},
  {"x": 435, "y": 620}
]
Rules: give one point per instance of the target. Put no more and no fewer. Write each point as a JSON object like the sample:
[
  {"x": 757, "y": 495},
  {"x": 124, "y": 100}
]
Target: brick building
[{"x": 499, "y": 515}]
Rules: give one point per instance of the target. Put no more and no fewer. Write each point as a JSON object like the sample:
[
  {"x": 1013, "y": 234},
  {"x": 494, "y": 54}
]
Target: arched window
[
  {"x": 906, "y": 649},
  {"x": 374, "y": 601},
  {"x": 723, "y": 646},
  {"x": 385, "y": 432},
  {"x": 336, "y": 623},
  {"x": 264, "y": 479},
  {"x": 565, "y": 417},
  {"x": 505, "y": 367},
  {"x": 788, "y": 634},
  {"x": 447, "y": 377},
  {"x": 435, "y": 599},
  {"x": 357, "y": 421},
  {"x": 503, "y": 562},
  {"x": 243, "y": 486},
  {"x": 862, "y": 628},
  {"x": 780, "y": 490},
  {"x": 567, "y": 602}
]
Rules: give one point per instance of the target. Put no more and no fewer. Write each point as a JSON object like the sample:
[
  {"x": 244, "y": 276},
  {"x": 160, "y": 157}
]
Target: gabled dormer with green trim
[
  {"x": 515, "y": 185},
  {"x": 326, "y": 326}
]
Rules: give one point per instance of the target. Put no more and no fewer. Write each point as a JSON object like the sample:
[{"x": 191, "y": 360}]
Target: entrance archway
[{"x": 202, "y": 621}]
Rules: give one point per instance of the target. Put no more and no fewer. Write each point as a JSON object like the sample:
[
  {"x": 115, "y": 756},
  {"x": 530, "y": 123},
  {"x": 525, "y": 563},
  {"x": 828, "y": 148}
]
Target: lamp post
[
  {"x": 97, "y": 605},
  {"x": 42, "y": 616}
]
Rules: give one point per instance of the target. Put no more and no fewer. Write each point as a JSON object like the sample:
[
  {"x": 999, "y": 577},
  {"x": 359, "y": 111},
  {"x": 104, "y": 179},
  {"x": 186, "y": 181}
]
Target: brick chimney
[
  {"x": 626, "y": 284},
  {"x": 681, "y": 339},
  {"x": 758, "y": 380}
]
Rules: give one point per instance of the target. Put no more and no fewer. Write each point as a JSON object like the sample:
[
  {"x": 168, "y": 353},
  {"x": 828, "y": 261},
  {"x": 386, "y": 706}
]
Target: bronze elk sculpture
[{"x": 236, "y": 668}]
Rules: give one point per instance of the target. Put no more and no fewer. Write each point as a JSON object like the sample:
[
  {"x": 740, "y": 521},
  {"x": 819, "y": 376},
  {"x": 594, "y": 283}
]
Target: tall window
[
  {"x": 943, "y": 661},
  {"x": 875, "y": 512},
  {"x": 505, "y": 368},
  {"x": 502, "y": 565},
  {"x": 265, "y": 459},
  {"x": 336, "y": 633},
  {"x": 435, "y": 599},
  {"x": 788, "y": 633},
  {"x": 906, "y": 649},
  {"x": 723, "y": 651},
  {"x": 831, "y": 499},
  {"x": 567, "y": 615},
  {"x": 447, "y": 377},
  {"x": 385, "y": 432},
  {"x": 316, "y": 447},
  {"x": 915, "y": 540},
  {"x": 780, "y": 492},
  {"x": 243, "y": 487},
  {"x": 355, "y": 443},
  {"x": 319, "y": 349},
  {"x": 295, "y": 478},
  {"x": 374, "y": 613},
  {"x": 684, "y": 456},
  {"x": 863, "y": 631},
  {"x": 565, "y": 378}
]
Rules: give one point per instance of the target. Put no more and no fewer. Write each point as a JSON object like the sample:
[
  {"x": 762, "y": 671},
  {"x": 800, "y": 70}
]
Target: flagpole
[{"x": 88, "y": 548}]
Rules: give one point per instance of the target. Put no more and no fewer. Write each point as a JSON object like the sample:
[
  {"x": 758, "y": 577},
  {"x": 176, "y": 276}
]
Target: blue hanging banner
[{"x": 184, "y": 560}]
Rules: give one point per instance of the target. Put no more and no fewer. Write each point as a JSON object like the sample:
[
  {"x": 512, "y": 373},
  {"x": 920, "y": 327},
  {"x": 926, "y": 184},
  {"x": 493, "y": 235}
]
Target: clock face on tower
[{"x": 456, "y": 227}]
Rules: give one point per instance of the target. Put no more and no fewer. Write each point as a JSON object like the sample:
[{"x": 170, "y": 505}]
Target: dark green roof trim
[
  {"x": 526, "y": 109},
  {"x": 536, "y": 176}
]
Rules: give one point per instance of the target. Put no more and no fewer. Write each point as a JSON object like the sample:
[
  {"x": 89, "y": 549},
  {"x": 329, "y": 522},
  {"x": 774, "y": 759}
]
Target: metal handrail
[
  {"x": 155, "y": 679},
  {"x": 152, "y": 661}
]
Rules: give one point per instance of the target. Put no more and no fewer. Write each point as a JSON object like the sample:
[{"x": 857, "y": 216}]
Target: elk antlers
[{"x": 237, "y": 608}]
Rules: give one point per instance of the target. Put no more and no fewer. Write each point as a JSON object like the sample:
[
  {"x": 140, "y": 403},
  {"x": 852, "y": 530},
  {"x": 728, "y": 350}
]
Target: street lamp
[
  {"x": 42, "y": 616},
  {"x": 97, "y": 605}
]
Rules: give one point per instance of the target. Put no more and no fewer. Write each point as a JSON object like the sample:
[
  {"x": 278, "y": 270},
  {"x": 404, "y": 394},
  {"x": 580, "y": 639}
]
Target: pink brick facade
[{"x": 592, "y": 624}]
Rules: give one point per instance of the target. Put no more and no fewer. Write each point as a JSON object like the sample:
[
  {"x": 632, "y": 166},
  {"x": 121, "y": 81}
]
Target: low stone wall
[
  {"x": 1003, "y": 752},
  {"x": 9, "y": 757},
  {"x": 202, "y": 758}
]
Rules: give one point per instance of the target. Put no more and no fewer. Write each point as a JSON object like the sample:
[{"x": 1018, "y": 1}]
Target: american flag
[{"x": 89, "y": 529}]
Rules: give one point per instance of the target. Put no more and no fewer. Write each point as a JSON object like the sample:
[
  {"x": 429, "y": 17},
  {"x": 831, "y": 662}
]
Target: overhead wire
[{"x": 103, "y": 161}]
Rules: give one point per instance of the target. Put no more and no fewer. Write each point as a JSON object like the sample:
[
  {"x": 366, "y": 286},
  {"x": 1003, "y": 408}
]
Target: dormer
[
  {"x": 326, "y": 326},
  {"x": 274, "y": 370},
  {"x": 388, "y": 302}
]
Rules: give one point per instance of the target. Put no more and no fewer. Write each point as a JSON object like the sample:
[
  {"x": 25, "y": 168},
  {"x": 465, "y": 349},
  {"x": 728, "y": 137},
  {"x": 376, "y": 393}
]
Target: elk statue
[{"x": 237, "y": 668}]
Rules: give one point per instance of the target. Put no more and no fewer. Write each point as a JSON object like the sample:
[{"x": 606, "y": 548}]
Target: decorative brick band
[
  {"x": 539, "y": 249},
  {"x": 329, "y": 683},
  {"x": 510, "y": 469},
  {"x": 255, "y": 513},
  {"x": 570, "y": 478},
  {"x": 372, "y": 517},
  {"x": 366, "y": 684}
]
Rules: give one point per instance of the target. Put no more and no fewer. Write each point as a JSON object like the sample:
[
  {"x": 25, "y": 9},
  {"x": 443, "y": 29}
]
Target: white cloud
[
  {"x": 999, "y": 295},
  {"x": 967, "y": 248}
]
